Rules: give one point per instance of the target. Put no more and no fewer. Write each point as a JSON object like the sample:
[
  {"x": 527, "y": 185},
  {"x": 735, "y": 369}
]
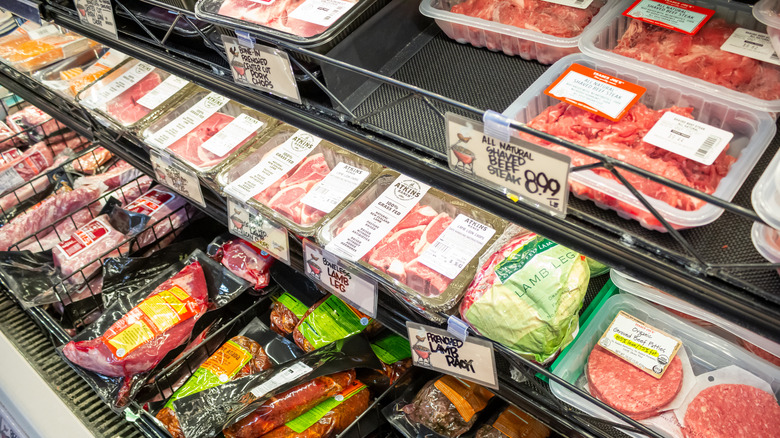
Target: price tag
[
  {"x": 262, "y": 68},
  {"x": 177, "y": 176},
  {"x": 689, "y": 138},
  {"x": 640, "y": 344},
  {"x": 460, "y": 242},
  {"x": 752, "y": 44},
  {"x": 337, "y": 185},
  {"x": 340, "y": 278},
  {"x": 248, "y": 224},
  {"x": 159, "y": 94},
  {"x": 97, "y": 13},
  {"x": 436, "y": 349},
  {"x": 532, "y": 174},
  {"x": 238, "y": 130},
  {"x": 579, "y": 4},
  {"x": 43, "y": 31},
  {"x": 671, "y": 14},
  {"x": 321, "y": 12}
]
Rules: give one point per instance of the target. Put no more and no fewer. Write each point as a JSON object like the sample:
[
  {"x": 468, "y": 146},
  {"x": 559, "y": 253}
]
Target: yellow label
[
  {"x": 636, "y": 346},
  {"x": 179, "y": 293},
  {"x": 174, "y": 302},
  {"x": 162, "y": 315},
  {"x": 130, "y": 338}
]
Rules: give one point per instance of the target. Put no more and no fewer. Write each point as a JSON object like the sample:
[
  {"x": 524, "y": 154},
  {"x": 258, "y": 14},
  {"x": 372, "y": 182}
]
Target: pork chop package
[
  {"x": 527, "y": 295},
  {"x": 533, "y": 29},
  {"x": 423, "y": 242},
  {"x": 133, "y": 94},
  {"x": 651, "y": 366},
  {"x": 719, "y": 144},
  {"x": 243, "y": 259},
  {"x": 311, "y": 179},
  {"x": 711, "y": 55},
  {"x": 69, "y": 76},
  {"x": 205, "y": 129}
]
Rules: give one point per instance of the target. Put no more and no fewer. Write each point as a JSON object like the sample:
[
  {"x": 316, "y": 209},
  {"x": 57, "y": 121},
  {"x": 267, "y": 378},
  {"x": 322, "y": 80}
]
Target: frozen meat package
[
  {"x": 724, "y": 141},
  {"x": 205, "y": 129},
  {"x": 296, "y": 178},
  {"x": 672, "y": 376},
  {"x": 133, "y": 93},
  {"x": 421, "y": 241}
]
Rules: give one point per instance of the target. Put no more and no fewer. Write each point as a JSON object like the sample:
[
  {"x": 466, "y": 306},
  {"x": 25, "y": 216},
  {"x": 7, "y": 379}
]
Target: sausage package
[
  {"x": 243, "y": 259},
  {"x": 329, "y": 320},
  {"x": 298, "y": 296}
]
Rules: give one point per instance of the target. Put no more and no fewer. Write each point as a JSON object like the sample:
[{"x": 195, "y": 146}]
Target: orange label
[
  {"x": 515, "y": 423},
  {"x": 468, "y": 398},
  {"x": 596, "y": 92},
  {"x": 670, "y": 14},
  {"x": 227, "y": 361},
  {"x": 152, "y": 317}
]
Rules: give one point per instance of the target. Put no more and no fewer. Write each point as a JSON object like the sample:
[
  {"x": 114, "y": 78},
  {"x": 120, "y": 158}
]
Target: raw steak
[
  {"x": 85, "y": 249},
  {"x": 168, "y": 314},
  {"x": 125, "y": 107},
  {"x": 732, "y": 411},
  {"x": 247, "y": 261},
  {"x": 188, "y": 147},
  {"x": 167, "y": 211},
  {"x": 700, "y": 56},
  {"x": 284, "y": 196},
  {"x": 629, "y": 389},
  {"x": 274, "y": 15}
]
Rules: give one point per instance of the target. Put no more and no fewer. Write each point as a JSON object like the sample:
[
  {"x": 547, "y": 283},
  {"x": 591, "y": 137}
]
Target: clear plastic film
[
  {"x": 298, "y": 295},
  {"x": 243, "y": 259}
]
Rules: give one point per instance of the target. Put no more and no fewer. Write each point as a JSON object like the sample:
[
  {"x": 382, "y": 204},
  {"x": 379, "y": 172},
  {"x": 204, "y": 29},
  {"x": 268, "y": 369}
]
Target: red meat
[
  {"x": 274, "y": 15},
  {"x": 188, "y": 147},
  {"x": 732, "y": 411},
  {"x": 91, "y": 161},
  {"x": 85, "y": 248},
  {"x": 32, "y": 162},
  {"x": 166, "y": 209},
  {"x": 247, "y": 261},
  {"x": 125, "y": 107},
  {"x": 284, "y": 196}
]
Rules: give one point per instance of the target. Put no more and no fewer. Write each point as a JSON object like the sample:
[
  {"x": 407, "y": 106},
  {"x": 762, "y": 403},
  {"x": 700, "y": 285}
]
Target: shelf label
[
  {"x": 248, "y": 224},
  {"x": 752, "y": 44},
  {"x": 341, "y": 278},
  {"x": 530, "y": 174},
  {"x": 579, "y": 4},
  {"x": 687, "y": 137},
  {"x": 437, "y": 349},
  {"x": 177, "y": 176},
  {"x": 98, "y": 14},
  {"x": 671, "y": 14},
  {"x": 262, "y": 68}
]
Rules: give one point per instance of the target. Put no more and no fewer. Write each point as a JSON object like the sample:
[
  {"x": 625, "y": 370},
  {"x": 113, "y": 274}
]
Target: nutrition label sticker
[
  {"x": 248, "y": 224},
  {"x": 687, "y": 137},
  {"x": 336, "y": 186},
  {"x": 119, "y": 85},
  {"x": 162, "y": 92},
  {"x": 640, "y": 344},
  {"x": 97, "y": 13},
  {"x": 594, "y": 91},
  {"x": 238, "y": 130},
  {"x": 579, "y": 4},
  {"x": 189, "y": 120},
  {"x": 752, "y": 44},
  {"x": 460, "y": 242},
  {"x": 671, "y": 14},
  {"x": 321, "y": 12}
]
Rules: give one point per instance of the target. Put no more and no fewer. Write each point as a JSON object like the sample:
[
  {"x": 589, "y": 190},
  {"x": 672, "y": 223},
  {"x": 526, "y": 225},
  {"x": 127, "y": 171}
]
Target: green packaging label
[
  {"x": 292, "y": 303},
  {"x": 305, "y": 421},
  {"x": 391, "y": 349},
  {"x": 330, "y": 321}
]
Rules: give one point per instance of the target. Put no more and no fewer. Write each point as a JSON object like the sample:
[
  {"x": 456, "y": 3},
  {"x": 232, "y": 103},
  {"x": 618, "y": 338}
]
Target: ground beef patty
[
  {"x": 732, "y": 411},
  {"x": 629, "y": 389}
]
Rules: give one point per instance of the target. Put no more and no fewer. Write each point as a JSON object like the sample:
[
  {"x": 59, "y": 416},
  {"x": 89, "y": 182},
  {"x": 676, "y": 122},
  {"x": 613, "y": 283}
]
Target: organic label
[
  {"x": 177, "y": 176},
  {"x": 330, "y": 321},
  {"x": 189, "y": 120},
  {"x": 262, "y": 68},
  {"x": 293, "y": 304},
  {"x": 392, "y": 349},
  {"x": 460, "y": 242},
  {"x": 43, "y": 31},
  {"x": 596, "y": 92},
  {"x": 579, "y": 4},
  {"x": 752, "y": 44},
  {"x": 671, "y": 14},
  {"x": 307, "y": 420},
  {"x": 321, "y": 12},
  {"x": 436, "y": 349},
  {"x": 84, "y": 237},
  {"x": 687, "y": 137},
  {"x": 248, "y": 224},
  {"x": 337, "y": 185},
  {"x": 387, "y": 210},
  {"x": 159, "y": 94},
  {"x": 119, "y": 85},
  {"x": 97, "y": 13},
  {"x": 284, "y": 375},
  {"x": 340, "y": 278},
  {"x": 640, "y": 344},
  {"x": 150, "y": 202},
  {"x": 235, "y": 133}
]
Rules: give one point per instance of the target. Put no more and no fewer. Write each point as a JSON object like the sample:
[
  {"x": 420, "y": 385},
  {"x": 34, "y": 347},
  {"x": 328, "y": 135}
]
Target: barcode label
[
  {"x": 336, "y": 186},
  {"x": 579, "y": 4},
  {"x": 752, "y": 44},
  {"x": 689, "y": 138},
  {"x": 321, "y": 12},
  {"x": 456, "y": 246},
  {"x": 289, "y": 374}
]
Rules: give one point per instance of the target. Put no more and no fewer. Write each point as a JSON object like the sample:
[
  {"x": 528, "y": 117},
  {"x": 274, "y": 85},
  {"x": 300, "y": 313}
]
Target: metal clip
[
  {"x": 457, "y": 327},
  {"x": 496, "y": 125},
  {"x": 245, "y": 39}
]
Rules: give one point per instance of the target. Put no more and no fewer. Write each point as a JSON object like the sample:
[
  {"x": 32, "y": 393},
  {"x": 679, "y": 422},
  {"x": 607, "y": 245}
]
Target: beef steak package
[
  {"x": 670, "y": 375},
  {"x": 312, "y": 179},
  {"x": 243, "y": 259},
  {"x": 205, "y": 129},
  {"x": 133, "y": 94},
  {"x": 420, "y": 240}
]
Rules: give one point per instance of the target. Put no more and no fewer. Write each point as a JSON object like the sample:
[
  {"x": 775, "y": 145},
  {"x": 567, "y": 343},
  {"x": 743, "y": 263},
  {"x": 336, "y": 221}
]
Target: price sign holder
[
  {"x": 341, "y": 278},
  {"x": 472, "y": 359},
  {"x": 177, "y": 176},
  {"x": 247, "y": 223},
  {"x": 98, "y": 14},
  {"x": 526, "y": 172},
  {"x": 261, "y": 67}
]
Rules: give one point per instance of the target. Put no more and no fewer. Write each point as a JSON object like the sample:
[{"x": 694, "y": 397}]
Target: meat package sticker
[
  {"x": 177, "y": 176},
  {"x": 321, "y": 12},
  {"x": 437, "y": 349},
  {"x": 159, "y": 94},
  {"x": 596, "y": 92},
  {"x": 262, "y": 68},
  {"x": 97, "y": 13},
  {"x": 189, "y": 120},
  {"x": 336, "y": 186},
  {"x": 579, "y": 4},
  {"x": 367, "y": 229},
  {"x": 671, "y": 14},
  {"x": 456, "y": 246},
  {"x": 248, "y": 224},
  {"x": 85, "y": 237},
  {"x": 689, "y": 138},
  {"x": 118, "y": 85},
  {"x": 640, "y": 344},
  {"x": 340, "y": 278},
  {"x": 532, "y": 174},
  {"x": 238, "y": 130},
  {"x": 9, "y": 178},
  {"x": 752, "y": 44},
  {"x": 284, "y": 375},
  {"x": 43, "y": 31}
]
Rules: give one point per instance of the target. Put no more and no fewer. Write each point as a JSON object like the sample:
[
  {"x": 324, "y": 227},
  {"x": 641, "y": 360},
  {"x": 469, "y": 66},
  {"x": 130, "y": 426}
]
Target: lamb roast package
[
  {"x": 421, "y": 241},
  {"x": 134, "y": 94},
  {"x": 68, "y": 77},
  {"x": 311, "y": 180},
  {"x": 205, "y": 129},
  {"x": 243, "y": 259}
]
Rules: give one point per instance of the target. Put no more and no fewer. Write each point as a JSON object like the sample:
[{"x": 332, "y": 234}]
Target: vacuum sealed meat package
[
  {"x": 167, "y": 211},
  {"x": 513, "y": 423},
  {"x": 298, "y": 296},
  {"x": 243, "y": 259},
  {"x": 331, "y": 319},
  {"x": 69, "y": 76}
]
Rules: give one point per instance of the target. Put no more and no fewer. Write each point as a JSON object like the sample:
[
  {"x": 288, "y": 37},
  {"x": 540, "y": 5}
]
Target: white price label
[
  {"x": 248, "y": 224},
  {"x": 119, "y": 85},
  {"x": 321, "y": 12},
  {"x": 9, "y": 178},
  {"x": 671, "y": 14},
  {"x": 262, "y": 68},
  {"x": 752, "y": 44},
  {"x": 97, "y": 13},
  {"x": 177, "y": 176},
  {"x": 189, "y": 120},
  {"x": 43, "y": 31},
  {"x": 640, "y": 344},
  {"x": 336, "y": 186},
  {"x": 460, "y": 242},
  {"x": 285, "y": 375},
  {"x": 579, "y": 4},
  {"x": 687, "y": 137},
  {"x": 437, "y": 349},
  {"x": 238, "y": 130},
  {"x": 159, "y": 94}
]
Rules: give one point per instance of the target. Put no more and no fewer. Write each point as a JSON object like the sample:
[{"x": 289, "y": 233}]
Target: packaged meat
[
  {"x": 120, "y": 173},
  {"x": 167, "y": 210},
  {"x": 766, "y": 194},
  {"x": 660, "y": 403},
  {"x": 768, "y": 12},
  {"x": 722, "y": 179},
  {"x": 700, "y": 61},
  {"x": 86, "y": 247},
  {"x": 68, "y": 77},
  {"x": 243, "y": 259},
  {"x": 25, "y": 167},
  {"x": 10, "y": 138},
  {"x": 532, "y": 29},
  {"x": 91, "y": 161},
  {"x": 418, "y": 226},
  {"x": 298, "y": 296},
  {"x": 513, "y": 423},
  {"x": 732, "y": 410},
  {"x": 327, "y": 321},
  {"x": 38, "y": 53},
  {"x": 302, "y": 192},
  {"x": 395, "y": 353},
  {"x": 32, "y": 124},
  {"x": 17, "y": 36},
  {"x": 205, "y": 129},
  {"x": 527, "y": 295},
  {"x": 133, "y": 94}
]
